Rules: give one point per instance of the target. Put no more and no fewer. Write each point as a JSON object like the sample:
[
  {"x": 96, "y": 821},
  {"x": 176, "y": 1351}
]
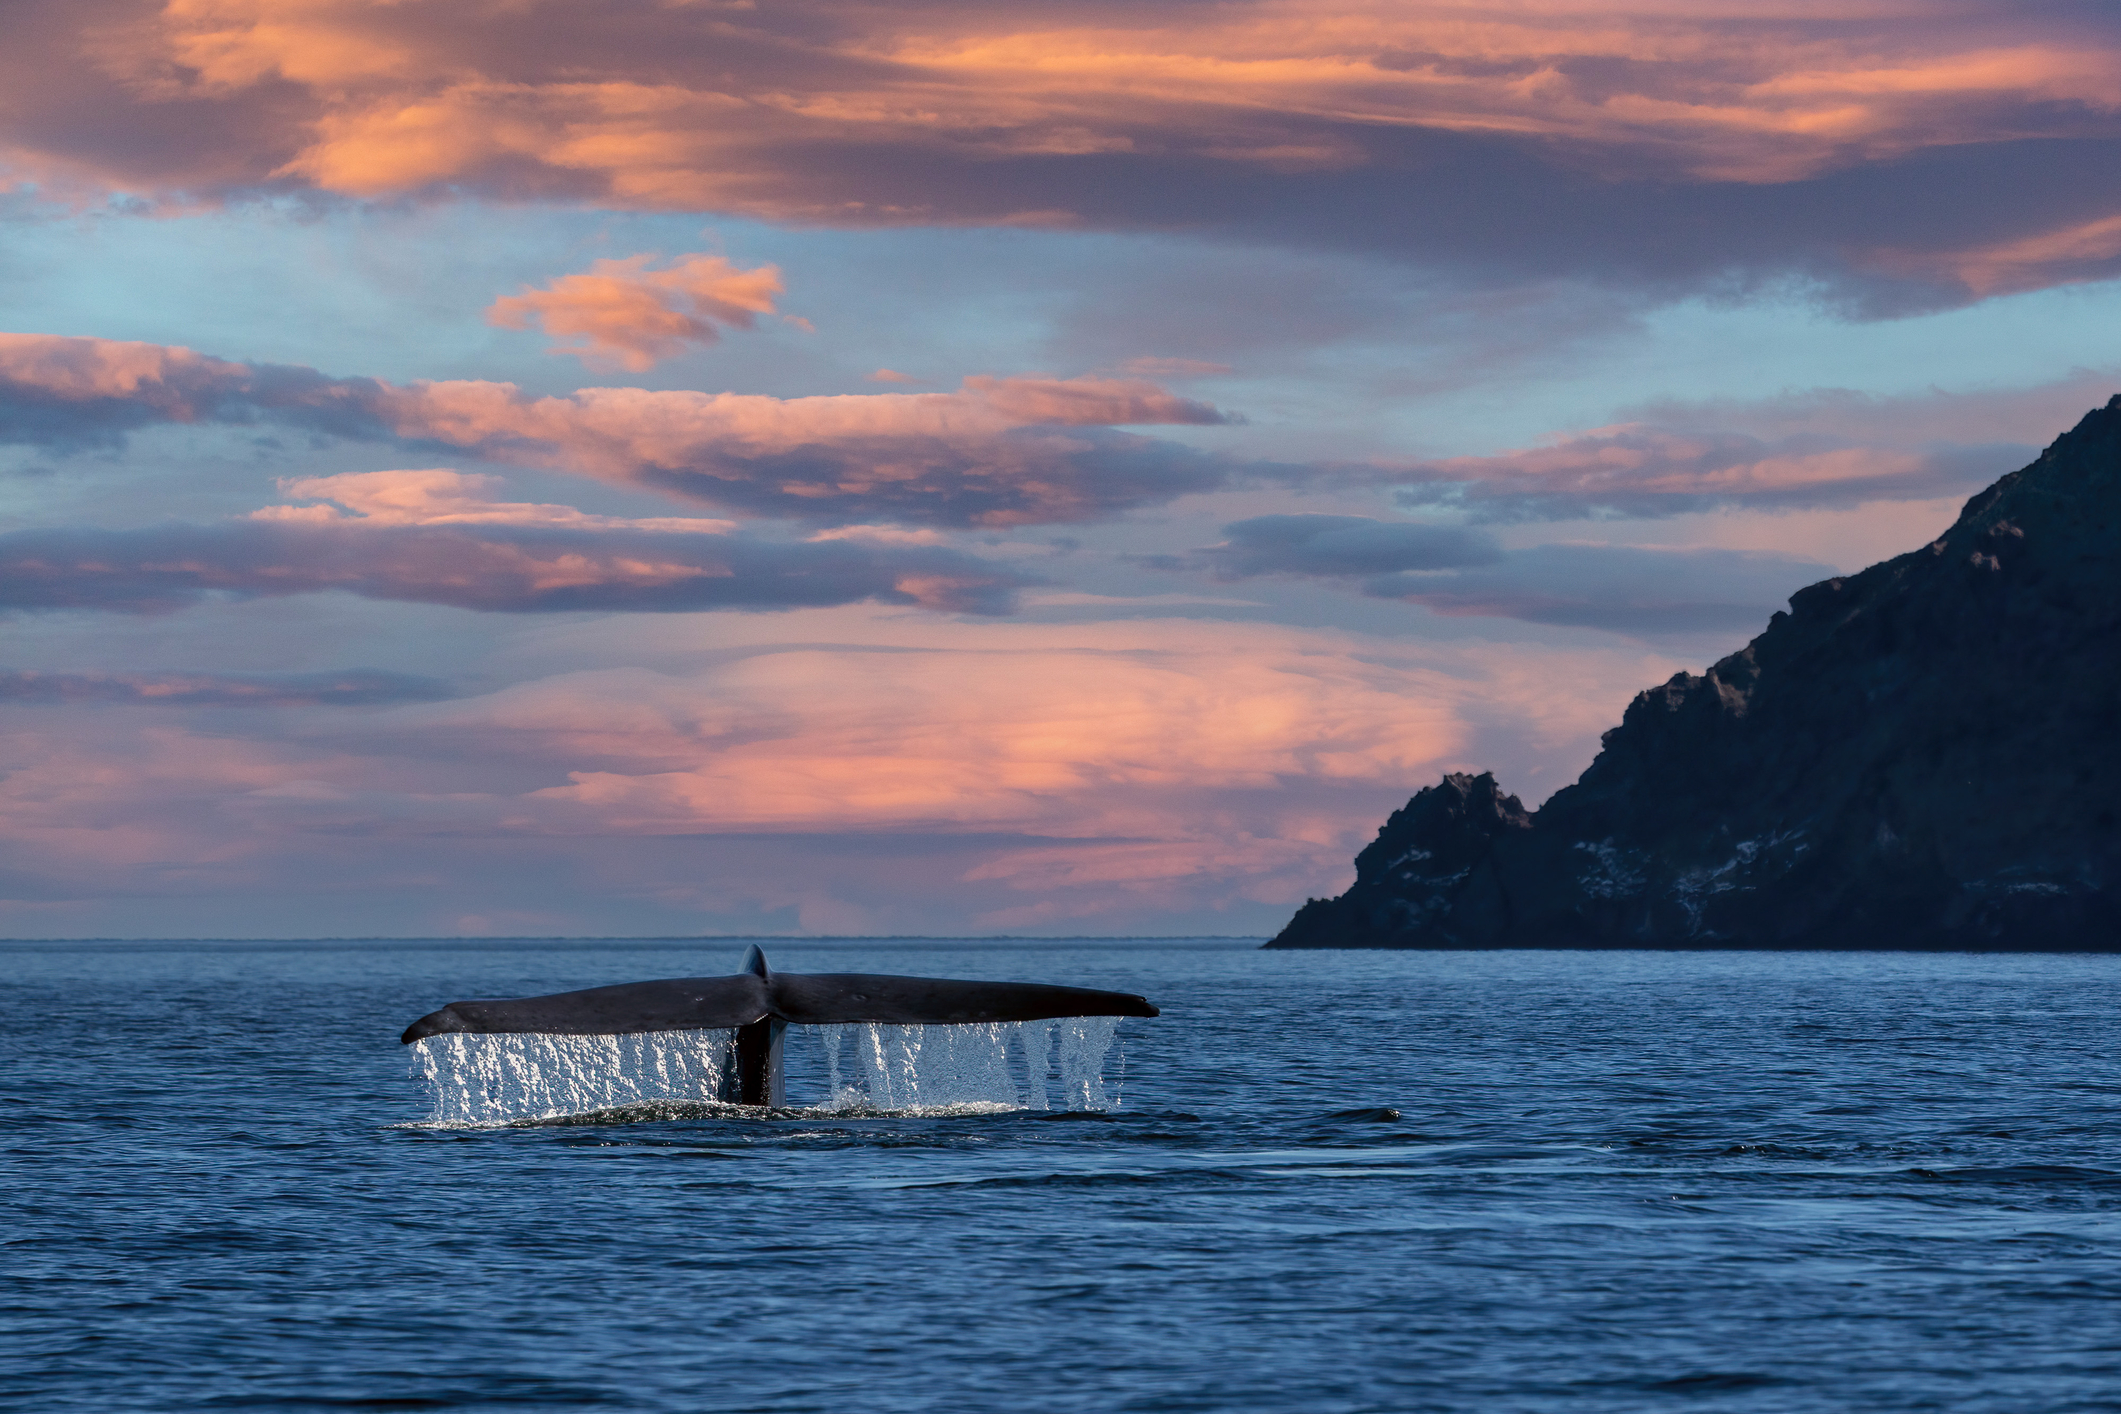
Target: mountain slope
[{"x": 1923, "y": 755}]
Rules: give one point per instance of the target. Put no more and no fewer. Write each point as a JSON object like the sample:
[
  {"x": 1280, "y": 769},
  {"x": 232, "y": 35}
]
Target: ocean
[{"x": 1320, "y": 1181}]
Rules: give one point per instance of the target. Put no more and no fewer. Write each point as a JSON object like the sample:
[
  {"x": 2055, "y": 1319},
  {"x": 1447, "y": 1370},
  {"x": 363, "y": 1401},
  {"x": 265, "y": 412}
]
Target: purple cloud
[
  {"x": 996, "y": 452},
  {"x": 493, "y": 568},
  {"x": 1622, "y": 588},
  {"x": 360, "y": 687},
  {"x": 1342, "y": 546}
]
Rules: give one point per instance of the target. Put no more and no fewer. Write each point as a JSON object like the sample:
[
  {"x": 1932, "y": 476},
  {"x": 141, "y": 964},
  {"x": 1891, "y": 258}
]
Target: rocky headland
[{"x": 1926, "y": 755}]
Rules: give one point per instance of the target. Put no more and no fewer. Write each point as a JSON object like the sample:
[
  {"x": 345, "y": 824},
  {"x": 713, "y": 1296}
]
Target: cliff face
[{"x": 1923, "y": 755}]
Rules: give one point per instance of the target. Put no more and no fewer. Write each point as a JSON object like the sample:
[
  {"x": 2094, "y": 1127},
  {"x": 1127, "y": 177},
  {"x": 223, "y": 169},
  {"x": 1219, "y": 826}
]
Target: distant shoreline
[{"x": 695, "y": 938}]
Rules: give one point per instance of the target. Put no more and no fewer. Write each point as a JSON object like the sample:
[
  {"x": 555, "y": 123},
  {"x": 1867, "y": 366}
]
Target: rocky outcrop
[{"x": 1925, "y": 755}]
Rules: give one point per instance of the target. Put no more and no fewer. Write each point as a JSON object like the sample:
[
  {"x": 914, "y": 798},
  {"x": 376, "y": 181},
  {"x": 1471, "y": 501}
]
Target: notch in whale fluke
[{"x": 758, "y": 1002}]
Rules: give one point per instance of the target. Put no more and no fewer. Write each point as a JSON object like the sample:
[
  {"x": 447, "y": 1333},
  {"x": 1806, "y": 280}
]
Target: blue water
[{"x": 1334, "y": 1182}]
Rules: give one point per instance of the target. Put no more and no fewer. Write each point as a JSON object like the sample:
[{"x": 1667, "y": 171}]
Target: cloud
[
  {"x": 1822, "y": 447},
  {"x": 1621, "y": 588},
  {"x": 623, "y": 313},
  {"x": 2021, "y": 416},
  {"x": 1172, "y": 368},
  {"x": 361, "y": 687},
  {"x": 1051, "y": 731},
  {"x": 1925, "y": 152},
  {"x": 1328, "y": 545},
  {"x": 1032, "y": 450},
  {"x": 1626, "y": 589},
  {"x": 66, "y": 393},
  {"x": 496, "y": 564},
  {"x": 830, "y": 769},
  {"x": 2070, "y": 254},
  {"x": 440, "y": 496},
  {"x": 1653, "y": 471},
  {"x": 998, "y": 451}
]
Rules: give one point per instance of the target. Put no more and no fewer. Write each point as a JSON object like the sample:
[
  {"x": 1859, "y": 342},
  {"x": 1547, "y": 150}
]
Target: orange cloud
[
  {"x": 1109, "y": 772},
  {"x": 1124, "y": 730},
  {"x": 1156, "y": 116},
  {"x": 406, "y": 96},
  {"x": 623, "y": 313},
  {"x": 2084, "y": 251},
  {"x": 1170, "y": 756}
]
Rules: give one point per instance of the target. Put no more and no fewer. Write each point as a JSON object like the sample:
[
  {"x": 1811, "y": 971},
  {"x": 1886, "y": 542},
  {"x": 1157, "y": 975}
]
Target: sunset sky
[{"x": 715, "y": 466}]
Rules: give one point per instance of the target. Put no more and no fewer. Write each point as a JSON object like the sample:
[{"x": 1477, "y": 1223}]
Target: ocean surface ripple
[{"x": 1320, "y": 1182}]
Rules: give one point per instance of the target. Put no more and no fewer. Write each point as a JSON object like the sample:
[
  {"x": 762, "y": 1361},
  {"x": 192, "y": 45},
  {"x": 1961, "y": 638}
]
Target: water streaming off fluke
[{"x": 862, "y": 1067}]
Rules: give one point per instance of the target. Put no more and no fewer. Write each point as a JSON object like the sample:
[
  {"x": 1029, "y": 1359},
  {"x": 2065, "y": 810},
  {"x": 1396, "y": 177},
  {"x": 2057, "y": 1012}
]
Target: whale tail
[
  {"x": 755, "y": 1077},
  {"x": 759, "y": 1004}
]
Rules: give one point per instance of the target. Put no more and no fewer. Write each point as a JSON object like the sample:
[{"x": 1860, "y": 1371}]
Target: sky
[{"x": 672, "y": 467}]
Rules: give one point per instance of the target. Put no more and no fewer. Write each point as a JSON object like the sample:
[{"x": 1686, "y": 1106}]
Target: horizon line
[{"x": 683, "y": 938}]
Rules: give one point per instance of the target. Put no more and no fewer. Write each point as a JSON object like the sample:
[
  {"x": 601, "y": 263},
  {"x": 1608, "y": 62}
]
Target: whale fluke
[
  {"x": 759, "y": 1002},
  {"x": 823, "y": 998},
  {"x": 680, "y": 1004}
]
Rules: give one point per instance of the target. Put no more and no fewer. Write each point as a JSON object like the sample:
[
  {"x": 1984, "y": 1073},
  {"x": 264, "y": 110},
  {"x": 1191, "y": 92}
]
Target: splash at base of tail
[{"x": 759, "y": 1004}]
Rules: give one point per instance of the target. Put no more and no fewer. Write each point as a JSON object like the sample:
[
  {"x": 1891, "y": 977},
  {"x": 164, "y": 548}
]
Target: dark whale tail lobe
[
  {"x": 759, "y": 1004},
  {"x": 755, "y": 1078}
]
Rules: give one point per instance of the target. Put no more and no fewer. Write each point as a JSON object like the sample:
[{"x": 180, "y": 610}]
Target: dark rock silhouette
[{"x": 1926, "y": 755}]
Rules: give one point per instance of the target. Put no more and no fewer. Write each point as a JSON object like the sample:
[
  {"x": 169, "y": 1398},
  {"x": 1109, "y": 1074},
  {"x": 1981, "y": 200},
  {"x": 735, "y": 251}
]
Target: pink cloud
[
  {"x": 1509, "y": 124},
  {"x": 999, "y": 451},
  {"x": 622, "y": 313},
  {"x": 398, "y": 102},
  {"x": 884, "y": 771},
  {"x": 1166, "y": 753},
  {"x": 439, "y": 496}
]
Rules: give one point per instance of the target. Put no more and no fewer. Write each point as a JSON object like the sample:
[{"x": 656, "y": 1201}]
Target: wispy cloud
[
  {"x": 361, "y": 687},
  {"x": 1822, "y": 447},
  {"x": 1628, "y": 589},
  {"x": 1336, "y": 546},
  {"x": 1622, "y": 588},
  {"x": 441, "y": 496},
  {"x": 621, "y": 313},
  {"x": 437, "y": 537},
  {"x": 1655, "y": 471},
  {"x": 998, "y": 451}
]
